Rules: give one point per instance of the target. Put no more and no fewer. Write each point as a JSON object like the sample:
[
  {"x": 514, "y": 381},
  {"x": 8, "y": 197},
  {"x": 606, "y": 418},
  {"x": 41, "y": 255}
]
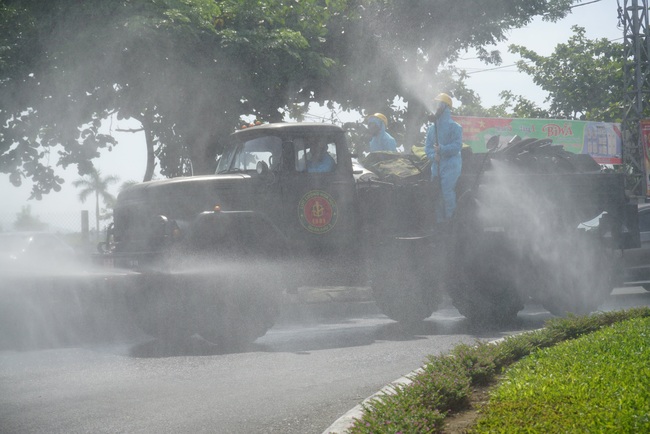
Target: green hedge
[{"x": 445, "y": 382}]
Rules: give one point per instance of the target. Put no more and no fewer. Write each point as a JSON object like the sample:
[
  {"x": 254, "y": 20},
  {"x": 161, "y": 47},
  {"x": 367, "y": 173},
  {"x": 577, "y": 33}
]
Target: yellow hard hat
[
  {"x": 444, "y": 98},
  {"x": 382, "y": 117}
]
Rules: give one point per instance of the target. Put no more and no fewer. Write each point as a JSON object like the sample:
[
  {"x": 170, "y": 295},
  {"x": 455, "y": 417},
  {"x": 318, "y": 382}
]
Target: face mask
[
  {"x": 374, "y": 126},
  {"x": 440, "y": 108}
]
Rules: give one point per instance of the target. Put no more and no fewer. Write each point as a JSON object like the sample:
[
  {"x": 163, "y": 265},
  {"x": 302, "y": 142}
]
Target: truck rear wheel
[
  {"x": 403, "y": 279},
  {"x": 582, "y": 281},
  {"x": 403, "y": 298}
]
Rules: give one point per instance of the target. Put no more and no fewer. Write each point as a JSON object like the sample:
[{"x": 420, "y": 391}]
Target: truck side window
[
  {"x": 331, "y": 150},
  {"x": 315, "y": 155}
]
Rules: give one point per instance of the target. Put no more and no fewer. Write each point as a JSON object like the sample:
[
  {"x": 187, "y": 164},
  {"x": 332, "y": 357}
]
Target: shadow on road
[
  {"x": 306, "y": 333},
  {"x": 85, "y": 312}
]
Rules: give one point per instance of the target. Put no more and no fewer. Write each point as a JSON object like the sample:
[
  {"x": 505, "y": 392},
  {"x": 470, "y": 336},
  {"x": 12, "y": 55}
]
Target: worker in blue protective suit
[
  {"x": 319, "y": 160},
  {"x": 443, "y": 145},
  {"x": 380, "y": 140}
]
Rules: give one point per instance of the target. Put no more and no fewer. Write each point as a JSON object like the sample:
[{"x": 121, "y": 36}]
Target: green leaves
[
  {"x": 584, "y": 78},
  {"x": 420, "y": 406},
  {"x": 188, "y": 70}
]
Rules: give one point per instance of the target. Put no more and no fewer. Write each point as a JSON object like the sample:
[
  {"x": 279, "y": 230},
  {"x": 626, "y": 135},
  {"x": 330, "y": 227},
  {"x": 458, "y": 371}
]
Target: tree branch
[{"x": 129, "y": 130}]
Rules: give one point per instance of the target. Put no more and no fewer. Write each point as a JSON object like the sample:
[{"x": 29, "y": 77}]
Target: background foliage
[{"x": 190, "y": 70}]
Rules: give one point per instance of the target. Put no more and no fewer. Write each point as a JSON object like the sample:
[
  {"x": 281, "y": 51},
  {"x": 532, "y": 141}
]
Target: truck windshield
[{"x": 243, "y": 157}]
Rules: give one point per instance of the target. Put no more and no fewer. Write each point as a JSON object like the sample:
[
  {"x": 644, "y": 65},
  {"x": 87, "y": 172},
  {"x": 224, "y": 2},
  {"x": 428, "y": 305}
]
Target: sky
[
  {"x": 62, "y": 209},
  {"x": 599, "y": 19}
]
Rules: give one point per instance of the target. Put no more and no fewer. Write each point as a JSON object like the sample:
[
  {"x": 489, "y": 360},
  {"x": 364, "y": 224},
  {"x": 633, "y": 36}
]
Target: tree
[
  {"x": 95, "y": 184},
  {"x": 68, "y": 65},
  {"x": 25, "y": 221},
  {"x": 512, "y": 106},
  {"x": 188, "y": 70},
  {"x": 583, "y": 78},
  {"x": 405, "y": 50}
]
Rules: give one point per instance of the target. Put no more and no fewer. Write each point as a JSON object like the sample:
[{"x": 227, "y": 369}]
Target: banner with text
[{"x": 601, "y": 140}]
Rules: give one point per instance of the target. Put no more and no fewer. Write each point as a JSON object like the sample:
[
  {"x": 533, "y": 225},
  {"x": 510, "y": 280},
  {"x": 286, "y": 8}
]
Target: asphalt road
[{"x": 309, "y": 369}]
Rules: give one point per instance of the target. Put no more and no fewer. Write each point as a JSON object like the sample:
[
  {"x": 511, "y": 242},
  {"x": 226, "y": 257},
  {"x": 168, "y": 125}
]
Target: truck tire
[
  {"x": 482, "y": 283},
  {"x": 225, "y": 310},
  {"x": 403, "y": 279},
  {"x": 582, "y": 281},
  {"x": 403, "y": 299}
]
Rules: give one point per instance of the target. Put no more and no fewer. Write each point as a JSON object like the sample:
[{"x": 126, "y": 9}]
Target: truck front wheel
[{"x": 227, "y": 311}]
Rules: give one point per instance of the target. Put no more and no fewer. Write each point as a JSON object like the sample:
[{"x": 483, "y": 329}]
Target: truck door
[{"x": 318, "y": 191}]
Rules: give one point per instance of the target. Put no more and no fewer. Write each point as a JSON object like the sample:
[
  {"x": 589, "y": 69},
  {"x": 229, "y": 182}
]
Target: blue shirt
[
  {"x": 382, "y": 141},
  {"x": 326, "y": 164}
]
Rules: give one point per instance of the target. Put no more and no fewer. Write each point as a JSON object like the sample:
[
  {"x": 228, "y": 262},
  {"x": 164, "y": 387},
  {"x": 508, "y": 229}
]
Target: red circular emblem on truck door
[{"x": 317, "y": 212}]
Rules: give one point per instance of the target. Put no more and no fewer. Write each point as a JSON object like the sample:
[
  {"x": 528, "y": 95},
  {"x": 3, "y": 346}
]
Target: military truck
[{"x": 216, "y": 251}]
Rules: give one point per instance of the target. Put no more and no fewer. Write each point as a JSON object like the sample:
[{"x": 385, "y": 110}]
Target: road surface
[{"x": 298, "y": 378}]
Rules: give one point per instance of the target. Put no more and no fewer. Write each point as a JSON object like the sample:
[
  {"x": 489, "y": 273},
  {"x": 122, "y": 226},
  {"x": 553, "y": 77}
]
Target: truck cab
[
  {"x": 279, "y": 190},
  {"x": 303, "y": 182}
]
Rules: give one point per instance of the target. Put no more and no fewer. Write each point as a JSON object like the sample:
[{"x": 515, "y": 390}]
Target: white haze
[
  {"x": 543, "y": 229},
  {"x": 84, "y": 309}
]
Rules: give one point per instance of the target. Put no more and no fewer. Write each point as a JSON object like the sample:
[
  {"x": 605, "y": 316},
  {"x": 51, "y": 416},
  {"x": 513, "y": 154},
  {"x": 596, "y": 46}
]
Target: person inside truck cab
[
  {"x": 319, "y": 160},
  {"x": 443, "y": 147},
  {"x": 380, "y": 140}
]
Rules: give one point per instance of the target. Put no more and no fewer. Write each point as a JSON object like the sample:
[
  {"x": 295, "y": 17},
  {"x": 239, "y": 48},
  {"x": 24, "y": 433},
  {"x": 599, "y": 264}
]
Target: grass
[
  {"x": 578, "y": 374},
  {"x": 597, "y": 383}
]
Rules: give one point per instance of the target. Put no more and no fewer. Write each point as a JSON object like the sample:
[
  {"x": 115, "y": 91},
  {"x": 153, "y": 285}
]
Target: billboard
[{"x": 601, "y": 140}]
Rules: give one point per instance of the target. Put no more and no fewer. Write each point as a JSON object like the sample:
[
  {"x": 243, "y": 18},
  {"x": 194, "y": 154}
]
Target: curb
[{"x": 343, "y": 423}]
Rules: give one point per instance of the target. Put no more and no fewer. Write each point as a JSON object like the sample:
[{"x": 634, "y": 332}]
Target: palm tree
[{"x": 95, "y": 183}]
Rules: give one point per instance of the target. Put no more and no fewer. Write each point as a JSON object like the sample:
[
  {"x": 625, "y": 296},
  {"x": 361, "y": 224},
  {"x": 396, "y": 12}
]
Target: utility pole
[{"x": 636, "y": 71}]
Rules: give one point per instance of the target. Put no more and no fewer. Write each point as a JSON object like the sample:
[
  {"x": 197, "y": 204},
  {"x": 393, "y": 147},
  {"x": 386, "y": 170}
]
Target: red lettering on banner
[{"x": 554, "y": 130}]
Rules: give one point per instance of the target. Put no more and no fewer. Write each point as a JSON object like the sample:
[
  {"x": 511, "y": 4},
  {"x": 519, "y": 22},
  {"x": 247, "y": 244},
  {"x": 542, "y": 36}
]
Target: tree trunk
[
  {"x": 415, "y": 117},
  {"x": 203, "y": 139},
  {"x": 97, "y": 213},
  {"x": 151, "y": 157}
]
